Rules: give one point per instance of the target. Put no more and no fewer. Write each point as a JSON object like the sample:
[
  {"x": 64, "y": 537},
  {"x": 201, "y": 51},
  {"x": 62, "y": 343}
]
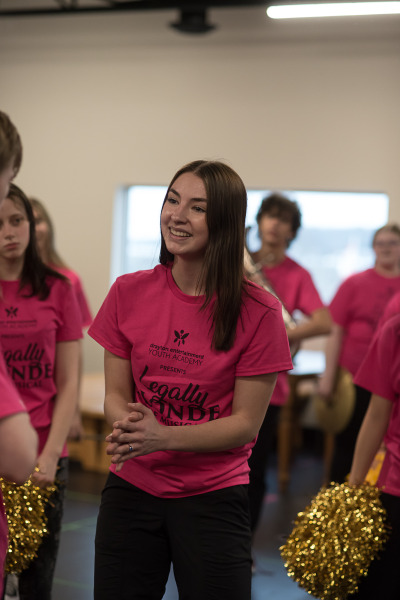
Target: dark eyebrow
[{"x": 191, "y": 199}]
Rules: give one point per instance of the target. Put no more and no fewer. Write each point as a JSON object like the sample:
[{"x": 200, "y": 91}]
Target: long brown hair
[
  {"x": 10, "y": 144},
  {"x": 51, "y": 256},
  {"x": 222, "y": 272},
  {"x": 34, "y": 271}
]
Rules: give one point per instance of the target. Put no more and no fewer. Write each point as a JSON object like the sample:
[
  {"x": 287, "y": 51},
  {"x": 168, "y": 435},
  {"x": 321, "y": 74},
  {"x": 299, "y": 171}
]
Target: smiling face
[
  {"x": 183, "y": 218},
  {"x": 14, "y": 232}
]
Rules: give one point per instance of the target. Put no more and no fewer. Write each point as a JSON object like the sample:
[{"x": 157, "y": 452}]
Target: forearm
[
  {"x": 332, "y": 352},
  {"x": 18, "y": 448},
  {"x": 214, "y": 436},
  {"x": 369, "y": 438},
  {"x": 66, "y": 403},
  {"x": 116, "y": 407},
  {"x": 119, "y": 387},
  {"x": 140, "y": 433},
  {"x": 319, "y": 323}
]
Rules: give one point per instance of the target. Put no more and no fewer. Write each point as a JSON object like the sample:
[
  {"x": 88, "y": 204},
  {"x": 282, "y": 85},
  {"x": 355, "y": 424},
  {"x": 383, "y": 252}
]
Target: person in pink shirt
[
  {"x": 40, "y": 330},
  {"x": 379, "y": 373},
  {"x": 279, "y": 220},
  {"x": 18, "y": 439},
  {"x": 192, "y": 350},
  {"x": 45, "y": 239},
  {"x": 356, "y": 310},
  {"x": 392, "y": 309}
]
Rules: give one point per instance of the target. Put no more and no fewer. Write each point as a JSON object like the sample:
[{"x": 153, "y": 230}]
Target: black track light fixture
[{"x": 193, "y": 21}]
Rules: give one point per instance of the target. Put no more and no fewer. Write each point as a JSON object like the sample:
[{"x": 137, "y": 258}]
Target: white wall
[{"x": 102, "y": 101}]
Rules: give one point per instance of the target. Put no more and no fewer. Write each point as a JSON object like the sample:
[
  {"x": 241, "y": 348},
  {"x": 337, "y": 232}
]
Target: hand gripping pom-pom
[
  {"x": 25, "y": 509},
  {"x": 335, "y": 539}
]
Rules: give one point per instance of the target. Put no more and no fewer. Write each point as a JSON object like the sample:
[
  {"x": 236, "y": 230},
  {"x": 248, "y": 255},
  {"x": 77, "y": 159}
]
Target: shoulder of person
[
  {"x": 146, "y": 277},
  {"x": 69, "y": 273},
  {"x": 390, "y": 328},
  {"x": 355, "y": 279},
  {"x": 293, "y": 265}
]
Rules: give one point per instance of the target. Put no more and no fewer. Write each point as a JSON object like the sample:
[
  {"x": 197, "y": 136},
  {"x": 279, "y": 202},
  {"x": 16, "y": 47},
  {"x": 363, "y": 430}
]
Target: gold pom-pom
[
  {"x": 25, "y": 509},
  {"x": 335, "y": 539}
]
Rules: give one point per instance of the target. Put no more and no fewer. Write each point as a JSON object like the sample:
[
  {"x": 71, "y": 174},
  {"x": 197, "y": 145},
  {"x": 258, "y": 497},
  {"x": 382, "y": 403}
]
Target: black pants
[
  {"x": 345, "y": 441},
  {"x": 35, "y": 583},
  {"x": 206, "y": 538},
  {"x": 383, "y": 578},
  {"x": 258, "y": 463}
]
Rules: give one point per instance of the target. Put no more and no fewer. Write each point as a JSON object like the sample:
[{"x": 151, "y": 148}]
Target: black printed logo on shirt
[
  {"x": 180, "y": 337},
  {"x": 12, "y": 312}
]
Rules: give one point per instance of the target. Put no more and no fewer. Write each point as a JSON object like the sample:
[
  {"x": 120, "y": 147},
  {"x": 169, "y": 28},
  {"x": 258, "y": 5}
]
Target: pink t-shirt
[
  {"x": 294, "y": 286},
  {"x": 380, "y": 374},
  {"x": 392, "y": 309},
  {"x": 10, "y": 404},
  {"x": 357, "y": 307},
  {"x": 77, "y": 286},
  {"x": 29, "y": 331},
  {"x": 147, "y": 319}
]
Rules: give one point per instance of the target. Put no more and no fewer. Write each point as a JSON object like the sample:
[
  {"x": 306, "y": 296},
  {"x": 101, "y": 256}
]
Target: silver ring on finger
[{"x": 130, "y": 448}]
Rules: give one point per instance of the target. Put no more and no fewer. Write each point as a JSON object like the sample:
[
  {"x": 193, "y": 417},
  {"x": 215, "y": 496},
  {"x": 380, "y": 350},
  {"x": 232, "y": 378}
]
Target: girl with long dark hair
[
  {"x": 45, "y": 241},
  {"x": 18, "y": 439},
  {"x": 192, "y": 350},
  {"x": 40, "y": 330}
]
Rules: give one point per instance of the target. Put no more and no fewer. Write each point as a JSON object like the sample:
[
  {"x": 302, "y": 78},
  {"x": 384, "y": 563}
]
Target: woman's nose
[
  {"x": 180, "y": 213},
  {"x": 8, "y": 231}
]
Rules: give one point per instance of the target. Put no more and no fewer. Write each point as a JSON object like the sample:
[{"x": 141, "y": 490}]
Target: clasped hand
[{"x": 137, "y": 434}]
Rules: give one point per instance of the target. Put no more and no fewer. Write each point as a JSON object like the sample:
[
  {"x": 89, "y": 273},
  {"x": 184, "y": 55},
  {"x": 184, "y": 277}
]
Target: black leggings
[
  {"x": 206, "y": 538},
  {"x": 345, "y": 441},
  {"x": 258, "y": 463}
]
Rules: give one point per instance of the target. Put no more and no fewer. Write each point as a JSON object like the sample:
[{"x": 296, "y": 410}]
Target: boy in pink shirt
[{"x": 279, "y": 220}]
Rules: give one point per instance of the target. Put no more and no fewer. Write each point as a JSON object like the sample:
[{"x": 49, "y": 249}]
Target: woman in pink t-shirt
[
  {"x": 45, "y": 239},
  {"x": 39, "y": 332},
  {"x": 356, "y": 310},
  {"x": 380, "y": 374},
  {"x": 192, "y": 352}
]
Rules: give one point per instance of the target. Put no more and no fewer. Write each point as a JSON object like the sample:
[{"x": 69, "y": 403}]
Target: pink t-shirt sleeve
[
  {"x": 308, "y": 299},
  {"x": 340, "y": 304},
  {"x": 70, "y": 327},
  {"x": 392, "y": 309},
  {"x": 268, "y": 350},
  {"x": 105, "y": 328},
  {"x": 83, "y": 303},
  {"x": 77, "y": 286},
  {"x": 378, "y": 372}
]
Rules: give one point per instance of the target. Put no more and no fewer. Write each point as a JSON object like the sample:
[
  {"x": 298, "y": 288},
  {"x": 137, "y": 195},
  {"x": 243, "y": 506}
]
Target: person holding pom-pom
[{"x": 380, "y": 373}]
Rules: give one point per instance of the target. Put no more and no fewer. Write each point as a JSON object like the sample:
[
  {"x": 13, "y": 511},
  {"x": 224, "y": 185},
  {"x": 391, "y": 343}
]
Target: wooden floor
[{"x": 74, "y": 572}]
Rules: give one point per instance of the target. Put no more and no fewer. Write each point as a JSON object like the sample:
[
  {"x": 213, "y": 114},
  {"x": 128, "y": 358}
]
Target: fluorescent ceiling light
[{"x": 332, "y": 9}]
